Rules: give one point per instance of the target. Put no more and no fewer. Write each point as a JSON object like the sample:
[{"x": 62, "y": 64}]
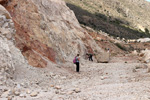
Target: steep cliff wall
[
  {"x": 47, "y": 30},
  {"x": 10, "y": 57}
]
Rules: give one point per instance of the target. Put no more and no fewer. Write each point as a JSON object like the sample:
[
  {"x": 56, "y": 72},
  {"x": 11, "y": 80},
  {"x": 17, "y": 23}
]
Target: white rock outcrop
[{"x": 10, "y": 56}]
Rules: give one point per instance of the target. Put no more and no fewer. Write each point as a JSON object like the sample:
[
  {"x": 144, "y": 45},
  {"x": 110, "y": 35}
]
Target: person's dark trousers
[
  {"x": 77, "y": 66},
  {"x": 90, "y": 59}
]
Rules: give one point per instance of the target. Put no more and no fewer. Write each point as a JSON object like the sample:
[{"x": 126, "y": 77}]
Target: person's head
[{"x": 77, "y": 54}]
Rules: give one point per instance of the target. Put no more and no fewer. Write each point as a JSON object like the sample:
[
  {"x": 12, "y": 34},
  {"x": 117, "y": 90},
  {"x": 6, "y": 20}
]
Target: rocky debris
[
  {"x": 77, "y": 90},
  {"x": 9, "y": 98},
  {"x": 51, "y": 85},
  {"x": 5, "y": 94},
  {"x": 25, "y": 85},
  {"x": 62, "y": 93},
  {"x": 17, "y": 93},
  {"x": 70, "y": 92},
  {"x": 28, "y": 91},
  {"x": 138, "y": 67},
  {"x": 23, "y": 95},
  {"x": 134, "y": 70},
  {"x": 57, "y": 92},
  {"x": 102, "y": 77},
  {"x": 34, "y": 94},
  {"x": 57, "y": 87},
  {"x": 148, "y": 70},
  {"x": 135, "y": 52},
  {"x": 93, "y": 79}
]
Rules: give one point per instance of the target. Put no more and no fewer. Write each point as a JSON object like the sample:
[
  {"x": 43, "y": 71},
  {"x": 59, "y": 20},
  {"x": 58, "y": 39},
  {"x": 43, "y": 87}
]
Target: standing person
[
  {"x": 87, "y": 56},
  {"x": 90, "y": 57},
  {"x": 108, "y": 50},
  {"x": 77, "y": 63}
]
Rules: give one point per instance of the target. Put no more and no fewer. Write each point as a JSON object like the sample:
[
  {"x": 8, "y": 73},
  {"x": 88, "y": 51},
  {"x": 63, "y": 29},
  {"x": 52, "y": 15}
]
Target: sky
[{"x": 148, "y": 0}]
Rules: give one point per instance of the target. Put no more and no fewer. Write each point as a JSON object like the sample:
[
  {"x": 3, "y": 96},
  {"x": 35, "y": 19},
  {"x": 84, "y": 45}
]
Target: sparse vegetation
[
  {"x": 108, "y": 19},
  {"x": 147, "y": 31},
  {"x": 121, "y": 46}
]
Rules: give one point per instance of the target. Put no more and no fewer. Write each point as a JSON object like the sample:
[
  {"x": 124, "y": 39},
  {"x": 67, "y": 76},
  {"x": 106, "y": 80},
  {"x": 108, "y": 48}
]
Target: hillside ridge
[{"x": 125, "y": 19}]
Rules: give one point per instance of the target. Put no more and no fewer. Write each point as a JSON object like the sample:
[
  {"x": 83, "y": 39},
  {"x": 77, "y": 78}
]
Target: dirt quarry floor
[{"x": 124, "y": 78}]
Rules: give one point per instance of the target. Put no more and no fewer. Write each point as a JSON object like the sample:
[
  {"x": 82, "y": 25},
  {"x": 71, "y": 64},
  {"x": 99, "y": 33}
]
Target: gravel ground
[{"x": 124, "y": 78}]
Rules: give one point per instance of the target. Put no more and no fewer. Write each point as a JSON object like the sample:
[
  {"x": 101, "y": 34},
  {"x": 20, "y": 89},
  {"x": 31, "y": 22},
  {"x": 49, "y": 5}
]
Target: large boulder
[{"x": 103, "y": 57}]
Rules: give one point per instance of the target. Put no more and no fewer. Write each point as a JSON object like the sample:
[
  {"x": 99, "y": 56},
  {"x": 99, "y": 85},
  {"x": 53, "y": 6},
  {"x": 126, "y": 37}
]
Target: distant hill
[{"x": 126, "y": 19}]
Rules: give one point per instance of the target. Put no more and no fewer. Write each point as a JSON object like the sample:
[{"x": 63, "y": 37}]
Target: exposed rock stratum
[
  {"x": 47, "y": 30},
  {"x": 10, "y": 56}
]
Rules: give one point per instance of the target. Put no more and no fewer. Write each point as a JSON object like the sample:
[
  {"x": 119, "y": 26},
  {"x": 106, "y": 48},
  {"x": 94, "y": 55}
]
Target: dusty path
[{"x": 121, "y": 79}]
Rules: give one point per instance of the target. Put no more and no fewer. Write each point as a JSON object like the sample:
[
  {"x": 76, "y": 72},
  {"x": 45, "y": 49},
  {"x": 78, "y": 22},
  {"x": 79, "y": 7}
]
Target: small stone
[
  {"x": 63, "y": 77},
  {"x": 1, "y": 83},
  {"x": 102, "y": 78},
  {"x": 52, "y": 86},
  {"x": 13, "y": 91},
  {"x": 62, "y": 93},
  {"x": 4, "y": 95},
  {"x": 34, "y": 94},
  {"x": 57, "y": 87},
  {"x": 17, "y": 93},
  {"x": 5, "y": 90},
  {"x": 148, "y": 70},
  {"x": 37, "y": 83},
  {"x": 57, "y": 92},
  {"x": 25, "y": 85},
  {"x": 137, "y": 67},
  {"x": 45, "y": 90},
  {"x": 28, "y": 91},
  {"x": 10, "y": 98},
  {"x": 77, "y": 90},
  {"x": 144, "y": 66},
  {"x": 22, "y": 95},
  {"x": 10, "y": 92},
  {"x": 70, "y": 92},
  {"x": 18, "y": 86},
  {"x": 133, "y": 70},
  {"x": 58, "y": 66},
  {"x": 5, "y": 25}
]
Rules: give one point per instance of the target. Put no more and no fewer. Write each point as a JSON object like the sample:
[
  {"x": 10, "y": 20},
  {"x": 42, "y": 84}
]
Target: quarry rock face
[
  {"x": 47, "y": 30},
  {"x": 10, "y": 56}
]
